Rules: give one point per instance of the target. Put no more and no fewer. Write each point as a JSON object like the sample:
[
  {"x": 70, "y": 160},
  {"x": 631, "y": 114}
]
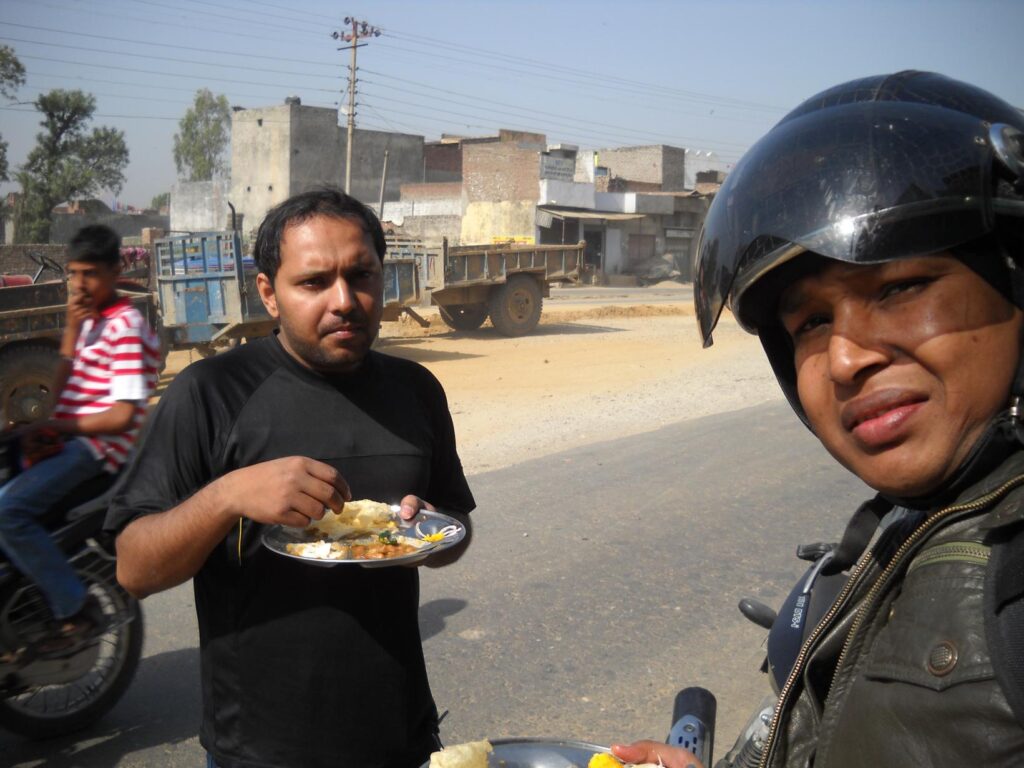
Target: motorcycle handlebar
[{"x": 693, "y": 722}]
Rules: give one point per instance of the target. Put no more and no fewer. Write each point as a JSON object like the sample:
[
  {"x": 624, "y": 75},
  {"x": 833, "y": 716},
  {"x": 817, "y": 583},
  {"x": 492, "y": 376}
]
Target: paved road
[{"x": 601, "y": 580}]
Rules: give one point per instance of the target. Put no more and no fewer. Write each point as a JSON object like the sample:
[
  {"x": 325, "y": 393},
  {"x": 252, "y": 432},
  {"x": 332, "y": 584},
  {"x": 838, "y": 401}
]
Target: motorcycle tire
[{"x": 78, "y": 704}]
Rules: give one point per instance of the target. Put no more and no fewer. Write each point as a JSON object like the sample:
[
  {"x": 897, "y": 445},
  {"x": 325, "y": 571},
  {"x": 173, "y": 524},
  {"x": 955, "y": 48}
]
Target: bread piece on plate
[
  {"x": 472, "y": 754},
  {"x": 357, "y": 517}
]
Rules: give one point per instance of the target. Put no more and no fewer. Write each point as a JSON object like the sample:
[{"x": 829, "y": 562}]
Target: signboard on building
[
  {"x": 557, "y": 168},
  {"x": 673, "y": 232}
]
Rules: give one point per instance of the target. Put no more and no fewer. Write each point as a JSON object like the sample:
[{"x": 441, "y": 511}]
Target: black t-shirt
[{"x": 303, "y": 665}]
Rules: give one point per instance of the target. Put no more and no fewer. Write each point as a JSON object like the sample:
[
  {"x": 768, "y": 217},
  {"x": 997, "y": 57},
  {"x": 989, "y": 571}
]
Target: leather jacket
[{"x": 898, "y": 672}]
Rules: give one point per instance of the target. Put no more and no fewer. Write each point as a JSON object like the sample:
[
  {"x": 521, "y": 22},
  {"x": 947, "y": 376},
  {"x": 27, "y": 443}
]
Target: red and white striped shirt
[{"x": 117, "y": 358}]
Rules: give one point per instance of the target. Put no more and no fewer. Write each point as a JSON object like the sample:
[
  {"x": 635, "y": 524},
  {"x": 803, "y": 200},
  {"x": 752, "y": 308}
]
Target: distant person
[
  {"x": 107, "y": 372},
  {"x": 874, "y": 240},
  {"x": 301, "y": 666}
]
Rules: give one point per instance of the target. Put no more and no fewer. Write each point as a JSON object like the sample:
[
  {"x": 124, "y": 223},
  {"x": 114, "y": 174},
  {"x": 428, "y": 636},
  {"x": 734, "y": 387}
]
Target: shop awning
[{"x": 570, "y": 213}]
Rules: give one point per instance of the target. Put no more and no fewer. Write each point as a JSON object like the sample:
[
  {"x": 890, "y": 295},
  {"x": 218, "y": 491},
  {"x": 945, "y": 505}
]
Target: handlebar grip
[{"x": 693, "y": 722}]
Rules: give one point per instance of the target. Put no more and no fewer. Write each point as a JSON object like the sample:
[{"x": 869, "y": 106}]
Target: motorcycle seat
[{"x": 80, "y": 501}]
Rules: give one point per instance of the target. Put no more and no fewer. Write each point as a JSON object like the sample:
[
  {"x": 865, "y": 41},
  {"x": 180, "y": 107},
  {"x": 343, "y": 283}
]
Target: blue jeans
[{"x": 26, "y": 542}]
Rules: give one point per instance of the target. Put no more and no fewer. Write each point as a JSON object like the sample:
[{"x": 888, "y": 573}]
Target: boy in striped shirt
[{"x": 108, "y": 370}]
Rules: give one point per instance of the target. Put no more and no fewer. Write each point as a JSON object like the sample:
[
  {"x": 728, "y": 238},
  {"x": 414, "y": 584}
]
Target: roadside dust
[{"x": 585, "y": 375}]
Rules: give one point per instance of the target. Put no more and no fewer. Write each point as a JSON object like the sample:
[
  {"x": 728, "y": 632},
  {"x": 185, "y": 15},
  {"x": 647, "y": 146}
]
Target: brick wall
[
  {"x": 442, "y": 162},
  {"x": 500, "y": 171},
  {"x": 431, "y": 191},
  {"x": 14, "y": 259},
  {"x": 535, "y": 140},
  {"x": 64, "y": 226}
]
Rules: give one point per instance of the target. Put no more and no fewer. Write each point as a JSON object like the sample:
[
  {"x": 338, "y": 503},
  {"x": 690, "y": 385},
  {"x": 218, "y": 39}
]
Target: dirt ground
[{"x": 585, "y": 375}]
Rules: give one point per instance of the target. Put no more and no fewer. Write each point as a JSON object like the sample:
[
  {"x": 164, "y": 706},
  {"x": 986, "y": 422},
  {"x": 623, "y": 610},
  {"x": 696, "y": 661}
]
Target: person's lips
[
  {"x": 879, "y": 417},
  {"x": 344, "y": 330}
]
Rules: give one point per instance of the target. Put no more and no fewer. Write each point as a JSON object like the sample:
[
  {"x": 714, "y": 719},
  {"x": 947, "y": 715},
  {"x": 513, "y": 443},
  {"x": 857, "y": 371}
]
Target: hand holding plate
[
  {"x": 411, "y": 505},
  {"x": 641, "y": 752}
]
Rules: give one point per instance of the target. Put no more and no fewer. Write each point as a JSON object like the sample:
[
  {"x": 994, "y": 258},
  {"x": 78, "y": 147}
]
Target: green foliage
[
  {"x": 158, "y": 202},
  {"x": 12, "y": 75},
  {"x": 202, "y": 138},
  {"x": 68, "y": 162}
]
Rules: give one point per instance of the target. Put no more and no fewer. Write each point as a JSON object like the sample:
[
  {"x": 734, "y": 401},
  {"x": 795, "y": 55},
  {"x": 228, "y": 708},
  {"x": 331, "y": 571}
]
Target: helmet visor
[{"x": 863, "y": 182}]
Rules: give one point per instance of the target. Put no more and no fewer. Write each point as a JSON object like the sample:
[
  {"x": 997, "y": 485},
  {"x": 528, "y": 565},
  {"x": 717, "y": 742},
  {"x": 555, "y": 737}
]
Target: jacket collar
[{"x": 1011, "y": 509}]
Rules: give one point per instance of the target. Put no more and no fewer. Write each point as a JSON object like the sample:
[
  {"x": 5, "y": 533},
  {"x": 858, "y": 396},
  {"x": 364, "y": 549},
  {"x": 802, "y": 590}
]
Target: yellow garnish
[
  {"x": 603, "y": 760},
  {"x": 434, "y": 536}
]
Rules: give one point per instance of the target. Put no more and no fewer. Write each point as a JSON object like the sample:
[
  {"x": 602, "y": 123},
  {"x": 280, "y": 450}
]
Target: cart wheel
[
  {"x": 515, "y": 306},
  {"x": 26, "y": 379},
  {"x": 464, "y": 317}
]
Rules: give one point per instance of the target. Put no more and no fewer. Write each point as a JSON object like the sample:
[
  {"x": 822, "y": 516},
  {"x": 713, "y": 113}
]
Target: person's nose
[
  {"x": 855, "y": 346},
  {"x": 343, "y": 298}
]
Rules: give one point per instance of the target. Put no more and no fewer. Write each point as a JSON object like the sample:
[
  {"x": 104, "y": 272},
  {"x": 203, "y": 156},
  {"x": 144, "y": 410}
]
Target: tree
[
  {"x": 67, "y": 162},
  {"x": 158, "y": 202},
  {"x": 203, "y": 136},
  {"x": 12, "y": 75}
]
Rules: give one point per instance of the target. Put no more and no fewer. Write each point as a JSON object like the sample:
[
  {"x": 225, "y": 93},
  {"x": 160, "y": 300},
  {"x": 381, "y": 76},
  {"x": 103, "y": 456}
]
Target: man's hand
[
  {"x": 291, "y": 491},
  {"x": 413, "y": 504},
  {"x": 410, "y": 506},
  {"x": 160, "y": 551},
  {"x": 80, "y": 309},
  {"x": 652, "y": 751}
]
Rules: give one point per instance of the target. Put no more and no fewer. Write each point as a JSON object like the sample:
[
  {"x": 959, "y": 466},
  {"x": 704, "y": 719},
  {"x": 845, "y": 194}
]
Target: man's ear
[{"x": 266, "y": 288}]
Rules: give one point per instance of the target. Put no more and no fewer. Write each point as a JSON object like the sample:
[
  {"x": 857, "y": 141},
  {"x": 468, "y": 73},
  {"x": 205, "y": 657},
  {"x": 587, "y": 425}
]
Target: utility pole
[{"x": 360, "y": 29}]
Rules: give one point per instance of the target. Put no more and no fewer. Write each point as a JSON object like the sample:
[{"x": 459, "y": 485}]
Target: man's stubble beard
[{"x": 320, "y": 360}]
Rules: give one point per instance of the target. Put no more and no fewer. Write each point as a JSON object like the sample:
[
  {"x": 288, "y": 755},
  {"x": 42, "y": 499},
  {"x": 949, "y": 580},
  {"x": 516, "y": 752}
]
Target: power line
[
  {"x": 94, "y": 114},
  {"x": 234, "y": 96},
  {"x": 519, "y": 109},
  {"x": 232, "y": 18},
  {"x": 203, "y": 78},
  {"x": 491, "y": 55},
  {"x": 151, "y": 44},
  {"x": 171, "y": 59},
  {"x": 121, "y": 18}
]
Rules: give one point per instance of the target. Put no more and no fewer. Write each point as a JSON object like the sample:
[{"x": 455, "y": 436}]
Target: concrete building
[
  {"x": 280, "y": 151},
  {"x": 68, "y": 218},
  {"x": 639, "y": 214},
  {"x": 202, "y": 206}
]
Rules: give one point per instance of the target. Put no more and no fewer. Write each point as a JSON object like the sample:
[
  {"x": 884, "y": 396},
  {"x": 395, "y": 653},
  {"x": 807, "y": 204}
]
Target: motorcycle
[
  {"x": 787, "y": 630},
  {"x": 43, "y": 695}
]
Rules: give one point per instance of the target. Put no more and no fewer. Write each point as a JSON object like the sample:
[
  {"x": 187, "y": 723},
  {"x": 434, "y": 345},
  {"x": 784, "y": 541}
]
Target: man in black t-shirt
[{"x": 300, "y": 665}]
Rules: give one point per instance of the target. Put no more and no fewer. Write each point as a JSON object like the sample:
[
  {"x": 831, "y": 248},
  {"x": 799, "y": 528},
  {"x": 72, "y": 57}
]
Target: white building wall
[
  {"x": 200, "y": 206},
  {"x": 568, "y": 194}
]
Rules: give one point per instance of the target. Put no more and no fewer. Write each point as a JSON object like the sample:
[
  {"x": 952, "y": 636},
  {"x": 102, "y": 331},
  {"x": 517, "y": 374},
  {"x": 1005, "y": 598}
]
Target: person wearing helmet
[{"x": 874, "y": 241}]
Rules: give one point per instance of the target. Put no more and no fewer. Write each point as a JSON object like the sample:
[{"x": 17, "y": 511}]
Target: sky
[{"x": 708, "y": 75}]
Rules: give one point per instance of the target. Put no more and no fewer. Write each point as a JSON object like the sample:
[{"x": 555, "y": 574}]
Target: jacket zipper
[
  {"x": 848, "y": 588},
  {"x": 952, "y": 551}
]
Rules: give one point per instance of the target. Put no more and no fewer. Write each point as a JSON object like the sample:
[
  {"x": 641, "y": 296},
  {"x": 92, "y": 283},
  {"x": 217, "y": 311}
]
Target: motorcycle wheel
[{"x": 47, "y": 711}]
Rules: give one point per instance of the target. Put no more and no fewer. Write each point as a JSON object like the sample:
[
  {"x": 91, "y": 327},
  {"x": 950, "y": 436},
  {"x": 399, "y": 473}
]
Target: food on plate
[
  {"x": 363, "y": 530},
  {"x": 604, "y": 760},
  {"x": 371, "y": 547},
  {"x": 472, "y": 754},
  {"x": 356, "y": 517}
]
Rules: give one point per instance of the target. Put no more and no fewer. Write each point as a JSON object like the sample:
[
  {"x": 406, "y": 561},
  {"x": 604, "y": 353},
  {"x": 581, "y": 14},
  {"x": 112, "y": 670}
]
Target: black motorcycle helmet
[{"x": 872, "y": 170}]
